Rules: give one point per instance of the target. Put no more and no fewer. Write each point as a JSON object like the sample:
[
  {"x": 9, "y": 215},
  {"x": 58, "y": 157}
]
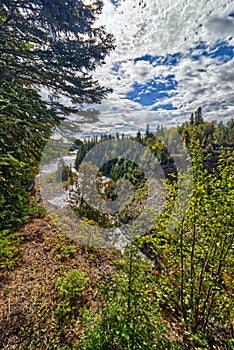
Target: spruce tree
[{"x": 54, "y": 44}]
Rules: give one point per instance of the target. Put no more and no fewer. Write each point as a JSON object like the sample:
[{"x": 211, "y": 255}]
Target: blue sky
[
  {"x": 171, "y": 57},
  {"x": 155, "y": 91}
]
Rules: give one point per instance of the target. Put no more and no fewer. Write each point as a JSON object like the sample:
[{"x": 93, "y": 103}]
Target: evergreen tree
[
  {"x": 147, "y": 133},
  {"x": 192, "y": 119},
  {"x": 138, "y": 136},
  {"x": 54, "y": 44},
  {"x": 48, "y": 44},
  {"x": 198, "y": 116}
]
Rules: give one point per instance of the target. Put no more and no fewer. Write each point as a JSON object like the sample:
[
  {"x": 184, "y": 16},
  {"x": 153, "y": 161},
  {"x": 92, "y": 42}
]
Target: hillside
[
  {"x": 166, "y": 290},
  {"x": 44, "y": 256}
]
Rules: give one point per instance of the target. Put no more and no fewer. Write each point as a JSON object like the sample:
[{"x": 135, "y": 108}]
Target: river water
[{"x": 57, "y": 201}]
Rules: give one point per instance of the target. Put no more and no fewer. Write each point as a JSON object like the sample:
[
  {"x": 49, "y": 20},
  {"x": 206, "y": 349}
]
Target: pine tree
[
  {"x": 192, "y": 119},
  {"x": 147, "y": 133},
  {"x": 198, "y": 116},
  {"x": 54, "y": 44}
]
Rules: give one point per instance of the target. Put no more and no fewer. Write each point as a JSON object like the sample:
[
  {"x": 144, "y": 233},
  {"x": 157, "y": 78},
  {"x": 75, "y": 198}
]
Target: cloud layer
[{"x": 171, "y": 57}]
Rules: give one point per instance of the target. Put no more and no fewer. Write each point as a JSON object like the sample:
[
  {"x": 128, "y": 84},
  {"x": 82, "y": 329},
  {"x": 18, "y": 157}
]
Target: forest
[{"x": 168, "y": 289}]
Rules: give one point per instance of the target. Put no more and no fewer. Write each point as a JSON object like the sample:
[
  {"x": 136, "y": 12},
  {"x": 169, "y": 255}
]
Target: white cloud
[
  {"x": 220, "y": 27},
  {"x": 159, "y": 28}
]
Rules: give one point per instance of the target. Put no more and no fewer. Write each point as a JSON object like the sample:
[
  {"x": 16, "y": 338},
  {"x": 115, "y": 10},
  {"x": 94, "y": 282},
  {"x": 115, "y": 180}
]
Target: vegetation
[
  {"x": 54, "y": 45},
  {"x": 129, "y": 315},
  {"x": 194, "y": 262},
  {"x": 26, "y": 123},
  {"x": 167, "y": 290},
  {"x": 51, "y": 48},
  {"x": 205, "y": 134}
]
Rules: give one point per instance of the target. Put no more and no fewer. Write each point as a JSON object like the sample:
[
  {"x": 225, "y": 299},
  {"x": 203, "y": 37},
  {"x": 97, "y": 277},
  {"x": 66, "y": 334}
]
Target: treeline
[{"x": 211, "y": 136}]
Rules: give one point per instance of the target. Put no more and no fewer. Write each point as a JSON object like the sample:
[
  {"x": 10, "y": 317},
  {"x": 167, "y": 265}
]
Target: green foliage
[
  {"x": 63, "y": 171},
  {"x": 66, "y": 251},
  {"x": 36, "y": 210},
  {"x": 9, "y": 248},
  {"x": 49, "y": 46},
  {"x": 72, "y": 283},
  {"x": 129, "y": 317},
  {"x": 26, "y": 124},
  {"x": 54, "y": 45},
  {"x": 192, "y": 278},
  {"x": 26, "y": 121},
  {"x": 210, "y": 134},
  {"x": 70, "y": 287},
  {"x": 195, "y": 262},
  {"x": 14, "y": 200},
  {"x": 57, "y": 323}
]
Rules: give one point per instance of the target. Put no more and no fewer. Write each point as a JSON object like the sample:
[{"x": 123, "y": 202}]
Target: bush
[
  {"x": 9, "y": 248},
  {"x": 129, "y": 316}
]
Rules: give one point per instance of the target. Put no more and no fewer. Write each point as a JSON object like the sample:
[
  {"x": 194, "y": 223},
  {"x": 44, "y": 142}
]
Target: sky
[{"x": 171, "y": 57}]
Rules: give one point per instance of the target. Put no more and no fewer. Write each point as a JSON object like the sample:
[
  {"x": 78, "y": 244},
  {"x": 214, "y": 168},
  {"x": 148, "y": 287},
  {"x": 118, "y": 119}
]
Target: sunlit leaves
[{"x": 196, "y": 260}]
